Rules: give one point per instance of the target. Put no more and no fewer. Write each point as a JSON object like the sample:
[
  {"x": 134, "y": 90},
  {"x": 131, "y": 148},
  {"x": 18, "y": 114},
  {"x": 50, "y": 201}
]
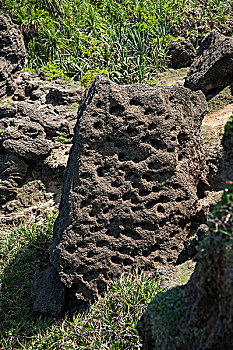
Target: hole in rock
[
  {"x": 173, "y": 128},
  {"x": 68, "y": 269},
  {"x": 180, "y": 157},
  {"x": 115, "y": 184},
  {"x": 126, "y": 196},
  {"x": 116, "y": 260},
  {"x": 71, "y": 249},
  {"x": 124, "y": 250},
  {"x": 179, "y": 199},
  {"x": 148, "y": 111},
  {"x": 160, "y": 209},
  {"x": 176, "y": 186},
  {"x": 131, "y": 131},
  {"x": 116, "y": 110},
  {"x": 131, "y": 176},
  {"x": 167, "y": 117},
  {"x": 130, "y": 233},
  {"x": 97, "y": 125},
  {"x": 105, "y": 210},
  {"x": 152, "y": 126},
  {"x": 170, "y": 150},
  {"x": 143, "y": 192},
  {"x": 182, "y": 137},
  {"x": 121, "y": 156},
  {"x": 95, "y": 229},
  {"x": 151, "y": 203},
  {"x": 113, "y": 197},
  {"x": 145, "y": 138},
  {"x": 173, "y": 138},
  {"x": 158, "y": 144},
  {"x": 90, "y": 254},
  {"x": 155, "y": 189},
  {"x": 109, "y": 139},
  {"x": 134, "y": 102},
  {"x": 99, "y": 104},
  {"x": 100, "y": 172},
  {"x": 101, "y": 243},
  {"x": 127, "y": 261},
  {"x": 140, "y": 123}
]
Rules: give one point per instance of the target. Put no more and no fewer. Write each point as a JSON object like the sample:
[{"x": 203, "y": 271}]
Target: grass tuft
[{"x": 109, "y": 324}]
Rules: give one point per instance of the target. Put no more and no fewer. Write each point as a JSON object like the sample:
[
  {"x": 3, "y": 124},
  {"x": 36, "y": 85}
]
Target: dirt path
[{"x": 217, "y": 120}]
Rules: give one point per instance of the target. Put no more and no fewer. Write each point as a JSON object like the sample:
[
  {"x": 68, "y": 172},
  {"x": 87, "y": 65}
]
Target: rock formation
[
  {"x": 12, "y": 52},
  {"x": 213, "y": 66},
  {"x": 201, "y": 312},
  {"x": 180, "y": 54},
  {"x": 36, "y": 122},
  {"x": 135, "y": 174}
]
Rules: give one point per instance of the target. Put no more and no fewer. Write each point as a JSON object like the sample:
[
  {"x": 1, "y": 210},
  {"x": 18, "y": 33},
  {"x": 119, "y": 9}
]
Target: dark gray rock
[
  {"x": 48, "y": 292},
  {"x": 181, "y": 53},
  {"x": 201, "y": 312},
  {"x": 132, "y": 184},
  {"x": 12, "y": 51},
  {"x": 12, "y": 173},
  {"x": 213, "y": 66},
  {"x": 26, "y": 139}
]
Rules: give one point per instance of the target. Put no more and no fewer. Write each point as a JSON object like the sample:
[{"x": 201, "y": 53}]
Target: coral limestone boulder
[{"x": 134, "y": 177}]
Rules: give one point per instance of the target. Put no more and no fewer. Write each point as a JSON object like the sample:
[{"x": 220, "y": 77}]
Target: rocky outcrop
[
  {"x": 36, "y": 129},
  {"x": 213, "y": 66},
  {"x": 180, "y": 54},
  {"x": 12, "y": 52},
  {"x": 135, "y": 175},
  {"x": 201, "y": 312}
]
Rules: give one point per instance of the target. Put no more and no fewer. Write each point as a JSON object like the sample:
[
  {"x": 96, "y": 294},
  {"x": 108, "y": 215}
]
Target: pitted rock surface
[
  {"x": 213, "y": 66},
  {"x": 12, "y": 51},
  {"x": 180, "y": 53},
  {"x": 132, "y": 185}
]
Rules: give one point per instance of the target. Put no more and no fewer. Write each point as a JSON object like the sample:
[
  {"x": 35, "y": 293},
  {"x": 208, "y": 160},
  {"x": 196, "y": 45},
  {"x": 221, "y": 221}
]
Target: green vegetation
[
  {"x": 125, "y": 39},
  {"x": 62, "y": 138},
  {"x": 220, "y": 99},
  {"x": 109, "y": 324}
]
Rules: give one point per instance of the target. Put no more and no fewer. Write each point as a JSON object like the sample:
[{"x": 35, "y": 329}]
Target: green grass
[
  {"x": 124, "y": 39},
  {"x": 109, "y": 324}
]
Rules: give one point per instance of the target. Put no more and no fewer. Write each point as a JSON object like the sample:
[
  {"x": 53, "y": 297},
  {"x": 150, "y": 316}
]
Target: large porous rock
[
  {"x": 12, "y": 51},
  {"x": 213, "y": 66},
  {"x": 201, "y": 312},
  {"x": 135, "y": 174},
  {"x": 180, "y": 53}
]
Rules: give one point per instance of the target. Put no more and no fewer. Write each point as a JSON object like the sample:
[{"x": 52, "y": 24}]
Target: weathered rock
[
  {"x": 26, "y": 139},
  {"x": 12, "y": 51},
  {"x": 200, "y": 313},
  {"x": 132, "y": 184},
  {"x": 38, "y": 128},
  {"x": 12, "y": 173},
  {"x": 213, "y": 66},
  {"x": 51, "y": 301},
  {"x": 180, "y": 54}
]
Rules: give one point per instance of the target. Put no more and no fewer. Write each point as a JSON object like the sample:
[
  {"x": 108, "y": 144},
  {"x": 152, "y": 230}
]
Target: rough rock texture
[
  {"x": 12, "y": 52},
  {"x": 200, "y": 313},
  {"x": 48, "y": 292},
  {"x": 36, "y": 129},
  {"x": 134, "y": 178},
  {"x": 213, "y": 66},
  {"x": 181, "y": 54}
]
